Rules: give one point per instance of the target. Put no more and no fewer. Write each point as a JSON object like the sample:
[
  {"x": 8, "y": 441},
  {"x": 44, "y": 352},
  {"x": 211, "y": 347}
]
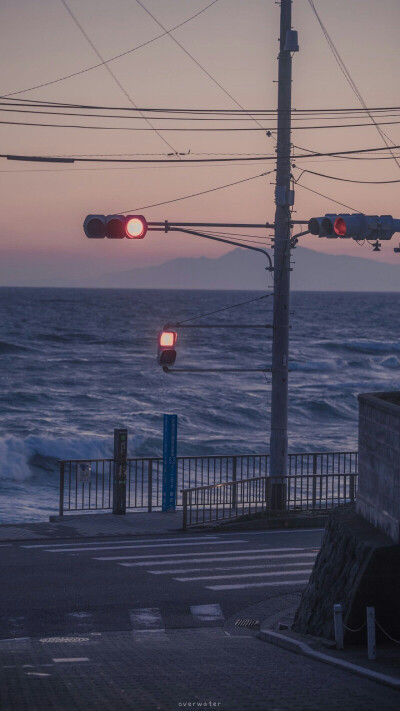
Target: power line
[
  {"x": 189, "y": 118},
  {"x": 348, "y": 180},
  {"x": 111, "y": 73},
  {"x": 327, "y": 197},
  {"x": 202, "y": 192},
  {"x": 210, "y": 76},
  {"x": 295, "y": 113},
  {"x": 350, "y": 81},
  {"x": 251, "y": 158},
  {"x": 112, "y": 59}
]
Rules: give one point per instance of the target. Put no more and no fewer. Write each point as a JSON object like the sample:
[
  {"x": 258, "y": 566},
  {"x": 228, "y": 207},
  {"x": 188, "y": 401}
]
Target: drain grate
[{"x": 246, "y": 623}]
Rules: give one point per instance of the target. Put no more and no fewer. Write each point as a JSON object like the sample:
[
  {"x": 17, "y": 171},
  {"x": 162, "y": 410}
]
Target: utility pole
[{"x": 283, "y": 201}]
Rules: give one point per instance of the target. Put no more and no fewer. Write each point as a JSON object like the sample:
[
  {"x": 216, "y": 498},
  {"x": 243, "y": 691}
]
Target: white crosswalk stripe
[
  {"x": 181, "y": 558},
  {"x": 141, "y": 545},
  {"x": 250, "y": 575}
]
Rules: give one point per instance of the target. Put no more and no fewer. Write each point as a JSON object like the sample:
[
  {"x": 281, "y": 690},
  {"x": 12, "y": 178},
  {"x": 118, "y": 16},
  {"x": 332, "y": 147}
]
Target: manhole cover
[{"x": 246, "y": 623}]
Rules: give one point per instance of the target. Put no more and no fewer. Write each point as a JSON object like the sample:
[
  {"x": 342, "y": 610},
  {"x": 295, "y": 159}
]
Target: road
[
  {"x": 165, "y": 582},
  {"x": 148, "y": 624}
]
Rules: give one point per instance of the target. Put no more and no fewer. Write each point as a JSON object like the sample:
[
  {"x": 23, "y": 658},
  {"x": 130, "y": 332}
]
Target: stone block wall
[{"x": 378, "y": 496}]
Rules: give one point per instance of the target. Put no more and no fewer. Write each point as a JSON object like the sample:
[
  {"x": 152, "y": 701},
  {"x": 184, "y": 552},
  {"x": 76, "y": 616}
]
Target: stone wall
[
  {"x": 357, "y": 566},
  {"x": 378, "y": 496}
]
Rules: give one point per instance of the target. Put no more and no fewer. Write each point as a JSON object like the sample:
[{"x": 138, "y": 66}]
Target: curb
[{"x": 294, "y": 645}]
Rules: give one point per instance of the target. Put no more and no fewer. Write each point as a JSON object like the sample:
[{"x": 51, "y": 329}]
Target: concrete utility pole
[{"x": 283, "y": 201}]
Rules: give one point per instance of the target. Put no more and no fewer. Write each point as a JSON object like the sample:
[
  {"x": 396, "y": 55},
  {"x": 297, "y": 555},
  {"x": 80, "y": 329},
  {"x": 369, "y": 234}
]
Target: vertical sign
[
  {"x": 169, "y": 462},
  {"x": 119, "y": 482}
]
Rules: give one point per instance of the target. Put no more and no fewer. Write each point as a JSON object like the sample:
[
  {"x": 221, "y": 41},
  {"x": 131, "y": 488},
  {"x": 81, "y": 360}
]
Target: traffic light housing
[
  {"x": 115, "y": 226},
  {"x": 321, "y": 227},
  {"x": 356, "y": 226},
  {"x": 166, "y": 347}
]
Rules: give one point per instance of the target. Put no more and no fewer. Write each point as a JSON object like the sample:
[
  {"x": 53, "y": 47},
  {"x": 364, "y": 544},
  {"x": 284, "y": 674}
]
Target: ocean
[{"x": 76, "y": 363}]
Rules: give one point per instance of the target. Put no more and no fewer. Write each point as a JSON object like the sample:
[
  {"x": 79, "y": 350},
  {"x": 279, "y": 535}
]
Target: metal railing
[
  {"x": 231, "y": 500},
  {"x": 94, "y": 491}
]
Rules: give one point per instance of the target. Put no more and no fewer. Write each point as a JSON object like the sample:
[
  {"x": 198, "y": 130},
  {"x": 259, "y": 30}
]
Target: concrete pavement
[{"x": 222, "y": 663}]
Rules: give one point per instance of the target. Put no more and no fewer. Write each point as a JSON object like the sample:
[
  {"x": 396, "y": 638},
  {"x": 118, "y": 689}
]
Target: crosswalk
[{"x": 213, "y": 562}]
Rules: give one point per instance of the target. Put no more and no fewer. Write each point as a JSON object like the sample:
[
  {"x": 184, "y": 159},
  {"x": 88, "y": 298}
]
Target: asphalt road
[{"x": 147, "y": 583}]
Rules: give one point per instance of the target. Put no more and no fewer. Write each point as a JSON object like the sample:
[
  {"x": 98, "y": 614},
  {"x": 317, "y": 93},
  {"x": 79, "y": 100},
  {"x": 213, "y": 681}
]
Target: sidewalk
[
  {"x": 275, "y": 628},
  {"x": 95, "y": 525}
]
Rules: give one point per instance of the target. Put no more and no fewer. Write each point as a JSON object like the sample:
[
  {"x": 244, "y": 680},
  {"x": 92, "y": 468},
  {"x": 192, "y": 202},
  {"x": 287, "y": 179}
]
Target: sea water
[{"x": 76, "y": 363}]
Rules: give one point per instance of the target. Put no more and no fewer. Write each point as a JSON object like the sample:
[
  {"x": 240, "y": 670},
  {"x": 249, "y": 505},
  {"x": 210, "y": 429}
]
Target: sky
[{"x": 236, "y": 44}]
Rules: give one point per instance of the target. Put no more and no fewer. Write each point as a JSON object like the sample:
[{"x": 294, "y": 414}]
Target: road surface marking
[
  {"x": 146, "y": 618},
  {"x": 230, "y": 567},
  {"x": 207, "y": 613},
  {"x": 151, "y": 556},
  {"x": 102, "y": 543},
  {"x": 249, "y": 575},
  {"x": 59, "y": 660},
  {"x": 256, "y": 585},
  {"x": 151, "y": 545},
  {"x": 224, "y": 557}
]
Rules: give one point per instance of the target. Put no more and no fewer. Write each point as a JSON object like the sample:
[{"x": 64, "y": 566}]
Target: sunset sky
[{"x": 234, "y": 41}]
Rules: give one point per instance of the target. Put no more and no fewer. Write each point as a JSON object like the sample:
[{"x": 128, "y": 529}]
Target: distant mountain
[{"x": 240, "y": 269}]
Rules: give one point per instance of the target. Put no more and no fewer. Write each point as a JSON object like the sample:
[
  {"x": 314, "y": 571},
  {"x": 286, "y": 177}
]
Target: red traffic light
[
  {"x": 340, "y": 227},
  {"x": 166, "y": 347},
  {"x": 115, "y": 226},
  {"x": 135, "y": 226}
]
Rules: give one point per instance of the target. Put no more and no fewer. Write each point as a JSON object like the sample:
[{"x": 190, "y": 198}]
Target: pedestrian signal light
[
  {"x": 166, "y": 347},
  {"x": 115, "y": 226}
]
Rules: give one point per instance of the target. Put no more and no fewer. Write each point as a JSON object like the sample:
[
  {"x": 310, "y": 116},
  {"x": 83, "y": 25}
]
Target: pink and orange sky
[{"x": 236, "y": 41}]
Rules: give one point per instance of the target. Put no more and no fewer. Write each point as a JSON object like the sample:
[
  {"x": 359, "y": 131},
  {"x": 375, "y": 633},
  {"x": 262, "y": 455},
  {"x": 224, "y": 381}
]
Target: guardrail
[
  {"x": 309, "y": 492},
  {"x": 87, "y": 484}
]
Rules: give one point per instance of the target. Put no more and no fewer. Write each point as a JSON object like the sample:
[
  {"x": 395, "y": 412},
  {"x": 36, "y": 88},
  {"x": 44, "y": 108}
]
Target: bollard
[
  {"x": 338, "y": 623},
  {"x": 371, "y": 633}
]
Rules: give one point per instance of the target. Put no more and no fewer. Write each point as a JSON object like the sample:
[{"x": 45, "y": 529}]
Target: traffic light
[
  {"x": 166, "y": 347},
  {"x": 355, "y": 226},
  {"x": 115, "y": 226},
  {"x": 319, "y": 226}
]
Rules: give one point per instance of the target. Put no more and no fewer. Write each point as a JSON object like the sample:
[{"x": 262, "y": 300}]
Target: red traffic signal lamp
[
  {"x": 115, "y": 226},
  {"x": 356, "y": 226},
  {"x": 166, "y": 347}
]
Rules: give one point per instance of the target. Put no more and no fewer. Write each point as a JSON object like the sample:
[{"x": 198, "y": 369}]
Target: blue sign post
[{"x": 169, "y": 463}]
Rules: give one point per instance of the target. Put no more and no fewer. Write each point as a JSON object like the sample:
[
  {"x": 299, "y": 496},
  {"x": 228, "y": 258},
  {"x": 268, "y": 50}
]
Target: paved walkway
[
  {"x": 222, "y": 668},
  {"x": 281, "y": 669},
  {"x": 95, "y": 525}
]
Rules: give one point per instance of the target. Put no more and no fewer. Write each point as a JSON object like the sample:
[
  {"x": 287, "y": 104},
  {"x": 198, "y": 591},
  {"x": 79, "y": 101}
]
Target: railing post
[
  {"x": 371, "y": 633},
  {"x": 267, "y": 493},
  {"x": 184, "y": 503},
  {"x": 352, "y": 487},
  {"x": 61, "y": 504},
  {"x": 314, "y": 482},
  {"x": 338, "y": 624},
  {"x": 234, "y": 486},
  {"x": 150, "y": 486},
  {"x": 119, "y": 482}
]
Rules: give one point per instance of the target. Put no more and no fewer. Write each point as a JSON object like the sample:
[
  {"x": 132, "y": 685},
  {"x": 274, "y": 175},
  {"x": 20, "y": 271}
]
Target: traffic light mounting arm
[{"x": 169, "y": 228}]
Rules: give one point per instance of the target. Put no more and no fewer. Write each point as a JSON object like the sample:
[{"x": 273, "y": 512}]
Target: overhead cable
[{"x": 112, "y": 59}]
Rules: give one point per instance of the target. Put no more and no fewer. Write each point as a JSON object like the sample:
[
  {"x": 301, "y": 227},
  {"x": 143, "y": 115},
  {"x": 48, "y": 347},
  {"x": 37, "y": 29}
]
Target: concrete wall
[{"x": 378, "y": 496}]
